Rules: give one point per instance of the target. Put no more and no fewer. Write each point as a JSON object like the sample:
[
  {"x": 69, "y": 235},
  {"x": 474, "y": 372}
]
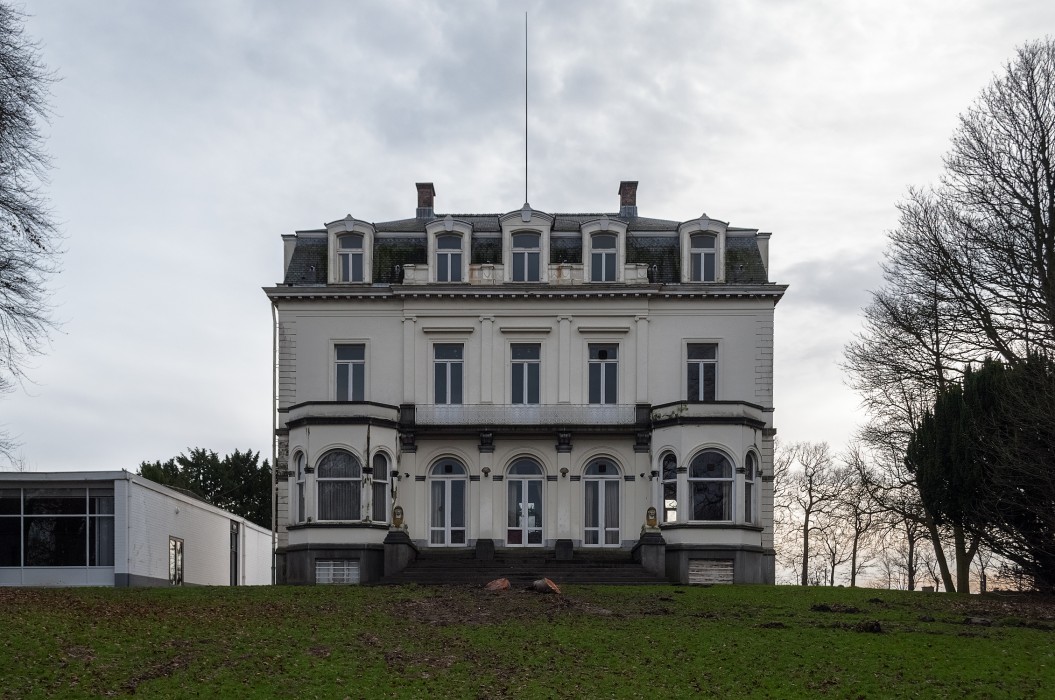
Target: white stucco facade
[{"x": 540, "y": 391}]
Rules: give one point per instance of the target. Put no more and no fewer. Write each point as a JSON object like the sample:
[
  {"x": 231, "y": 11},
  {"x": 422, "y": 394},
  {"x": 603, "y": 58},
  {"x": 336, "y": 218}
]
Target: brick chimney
[
  {"x": 628, "y": 199},
  {"x": 425, "y": 194}
]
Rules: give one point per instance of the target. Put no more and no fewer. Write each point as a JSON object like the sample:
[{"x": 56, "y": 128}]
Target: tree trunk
[
  {"x": 853, "y": 562},
  {"x": 965, "y": 551},
  {"x": 806, "y": 549},
  {"x": 911, "y": 559},
  {"x": 939, "y": 555}
]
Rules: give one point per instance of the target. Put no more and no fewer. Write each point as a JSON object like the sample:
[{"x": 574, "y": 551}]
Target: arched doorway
[
  {"x": 601, "y": 509},
  {"x": 524, "y": 503},
  {"x": 447, "y": 496}
]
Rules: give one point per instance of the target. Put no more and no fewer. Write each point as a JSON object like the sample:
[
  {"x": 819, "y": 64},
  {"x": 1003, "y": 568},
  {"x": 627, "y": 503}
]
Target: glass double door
[
  {"x": 447, "y": 517},
  {"x": 524, "y": 523}
]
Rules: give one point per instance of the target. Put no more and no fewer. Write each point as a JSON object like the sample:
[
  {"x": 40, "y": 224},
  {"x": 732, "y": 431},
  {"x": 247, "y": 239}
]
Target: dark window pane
[
  {"x": 703, "y": 241},
  {"x": 457, "y": 503},
  {"x": 345, "y": 268},
  {"x": 693, "y": 392},
  {"x": 10, "y": 501},
  {"x": 533, "y": 267},
  {"x": 342, "y": 382},
  {"x": 380, "y": 513},
  {"x": 703, "y": 351},
  {"x": 358, "y": 381},
  {"x": 604, "y": 241},
  {"x": 525, "y": 351},
  {"x": 533, "y": 383},
  {"x": 10, "y": 542},
  {"x": 670, "y": 468},
  {"x": 518, "y": 267},
  {"x": 56, "y": 501},
  {"x": 456, "y": 382},
  {"x": 518, "y": 382},
  {"x": 456, "y": 267},
  {"x": 350, "y": 352},
  {"x": 55, "y": 541},
  {"x": 709, "y": 379},
  {"x": 603, "y": 352},
  {"x": 709, "y": 500},
  {"x": 609, "y": 382},
  {"x": 101, "y": 541},
  {"x": 101, "y": 501},
  {"x": 609, "y": 267},
  {"x": 595, "y": 382},
  {"x": 597, "y": 267},
  {"x": 449, "y": 242},
  {"x": 708, "y": 267},
  {"x": 357, "y": 268},
  {"x": 526, "y": 240},
  {"x": 525, "y": 466},
  {"x": 448, "y": 351},
  {"x": 339, "y": 500},
  {"x": 352, "y": 242},
  {"x": 711, "y": 465},
  {"x": 338, "y": 465},
  {"x": 441, "y": 382},
  {"x": 697, "y": 268}
]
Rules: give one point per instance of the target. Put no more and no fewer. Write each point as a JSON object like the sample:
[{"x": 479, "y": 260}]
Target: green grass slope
[{"x": 649, "y": 642}]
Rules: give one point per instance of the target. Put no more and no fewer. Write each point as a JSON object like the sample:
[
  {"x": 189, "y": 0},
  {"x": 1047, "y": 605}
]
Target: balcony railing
[{"x": 539, "y": 414}]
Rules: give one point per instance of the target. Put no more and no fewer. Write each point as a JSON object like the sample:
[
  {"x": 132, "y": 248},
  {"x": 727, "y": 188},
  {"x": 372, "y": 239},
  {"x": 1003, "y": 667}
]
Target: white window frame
[
  {"x": 335, "y": 230},
  {"x": 605, "y": 365},
  {"x": 668, "y": 476},
  {"x": 321, "y": 481},
  {"x": 708, "y": 226},
  {"x": 448, "y": 226},
  {"x": 446, "y": 364},
  {"x": 525, "y": 255},
  {"x": 526, "y": 374},
  {"x": 603, "y": 226},
  {"x": 698, "y": 257},
  {"x": 380, "y": 478},
  {"x": 347, "y": 257},
  {"x": 701, "y": 364},
  {"x": 727, "y": 482},
  {"x": 300, "y": 486},
  {"x": 335, "y": 362},
  {"x": 601, "y": 530},
  {"x": 751, "y": 488}
]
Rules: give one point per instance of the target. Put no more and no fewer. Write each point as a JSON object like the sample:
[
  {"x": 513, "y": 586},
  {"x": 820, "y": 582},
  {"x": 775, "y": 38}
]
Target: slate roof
[{"x": 653, "y": 242}]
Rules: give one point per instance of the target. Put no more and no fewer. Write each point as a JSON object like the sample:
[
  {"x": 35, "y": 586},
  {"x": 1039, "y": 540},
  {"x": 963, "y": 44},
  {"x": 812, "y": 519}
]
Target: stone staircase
[{"x": 522, "y": 566}]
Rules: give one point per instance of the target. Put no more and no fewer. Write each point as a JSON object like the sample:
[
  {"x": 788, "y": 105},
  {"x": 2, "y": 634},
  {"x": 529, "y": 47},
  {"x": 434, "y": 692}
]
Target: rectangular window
[
  {"x": 702, "y": 371},
  {"x": 448, "y": 372},
  {"x": 57, "y": 527},
  {"x": 175, "y": 561},
  {"x": 526, "y": 256},
  {"x": 602, "y": 258},
  {"x": 350, "y": 257},
  {"x": 448, "y": 258},
  {"x": 603, "y": 372},
  {"x": 526, "y": 372},
  {"x": 350, "y": 371}
]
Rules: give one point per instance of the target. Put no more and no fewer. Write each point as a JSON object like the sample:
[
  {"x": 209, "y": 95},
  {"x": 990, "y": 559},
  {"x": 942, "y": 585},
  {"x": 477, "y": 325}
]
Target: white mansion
[{"x": 529, "y": 379}]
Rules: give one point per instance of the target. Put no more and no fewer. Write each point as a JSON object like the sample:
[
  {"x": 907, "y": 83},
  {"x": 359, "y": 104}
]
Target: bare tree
[
  {"x": 28, "y": 236},
  {"x": 807, "y": 492}
]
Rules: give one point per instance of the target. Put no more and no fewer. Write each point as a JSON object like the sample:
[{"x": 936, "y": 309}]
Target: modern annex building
[
  {"x": 528, "y": 379},
  {"x": 120, "y": 529}
]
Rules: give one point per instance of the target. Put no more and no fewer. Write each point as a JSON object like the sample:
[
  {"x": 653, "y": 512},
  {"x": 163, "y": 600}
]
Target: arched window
[
  {"x": 449, "y": 258},
  {"x": 711, "y": 486},
  {"x": 602, "y": 257},
  {"x": 380, "y": 488},
  {"x": 750, "y": 490},
  {"x": 669, "y": 465},
  {"x": 703, "y": 257},
  {"x": 339, "y": 478},
  {"x": 601, "y": 490},
  {"x": 526, "y": 257},
  {"x": 524, "y": 503},
  {"x": 298, "y": 473},
  {"x": 350, "y": 257},
  {"x": 447, "y": 496}
]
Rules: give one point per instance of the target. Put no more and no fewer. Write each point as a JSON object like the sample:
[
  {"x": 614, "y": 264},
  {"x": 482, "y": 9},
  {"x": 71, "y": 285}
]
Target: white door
[
  {"x": 601, "y": 507},
  {"x": 447, "y": 491},
  {"x": 524, "y": 504}
]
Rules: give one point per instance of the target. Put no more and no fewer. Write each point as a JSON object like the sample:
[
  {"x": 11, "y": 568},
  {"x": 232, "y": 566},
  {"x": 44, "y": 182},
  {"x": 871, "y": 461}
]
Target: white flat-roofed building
[
  {"x": 525, "y": 380},
  {"x": 119, "y": 529}
]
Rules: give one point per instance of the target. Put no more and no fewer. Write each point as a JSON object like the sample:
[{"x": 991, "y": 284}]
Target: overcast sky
[{"x": 189, "y": 136}]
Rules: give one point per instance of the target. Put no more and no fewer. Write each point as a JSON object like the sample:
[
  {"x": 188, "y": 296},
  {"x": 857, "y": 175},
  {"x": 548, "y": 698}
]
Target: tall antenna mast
[{"x": 525, "y": 107}]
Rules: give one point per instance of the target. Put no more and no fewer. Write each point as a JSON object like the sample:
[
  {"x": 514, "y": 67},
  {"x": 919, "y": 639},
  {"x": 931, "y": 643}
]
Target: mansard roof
[{"x": 654, "y": 242}]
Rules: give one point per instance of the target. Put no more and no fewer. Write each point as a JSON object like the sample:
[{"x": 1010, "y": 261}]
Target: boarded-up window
[
  {"x": 709, "y": 571},
  {"x": 337, "y": 571}
]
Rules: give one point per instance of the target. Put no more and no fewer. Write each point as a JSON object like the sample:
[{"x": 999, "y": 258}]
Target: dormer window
[
  {"x": 703, "y": 256},
  {"x": 350, "y": 257},
  {"x": 602, "y": 257},
  {"x": 350, "y": 244},
  {"x": 449, "y": 258},
  {"x": 527, "y": 251}
]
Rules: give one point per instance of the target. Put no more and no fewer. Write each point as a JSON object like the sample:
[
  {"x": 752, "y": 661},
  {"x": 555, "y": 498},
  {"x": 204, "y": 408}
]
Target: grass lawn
[{"x": 595, "y": 642}]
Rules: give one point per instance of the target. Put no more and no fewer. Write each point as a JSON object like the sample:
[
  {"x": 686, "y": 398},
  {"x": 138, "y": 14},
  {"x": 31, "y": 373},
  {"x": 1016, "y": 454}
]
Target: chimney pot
[
  {"x": 628, "y": 198},
  {"x": 426, "y": 192}
]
